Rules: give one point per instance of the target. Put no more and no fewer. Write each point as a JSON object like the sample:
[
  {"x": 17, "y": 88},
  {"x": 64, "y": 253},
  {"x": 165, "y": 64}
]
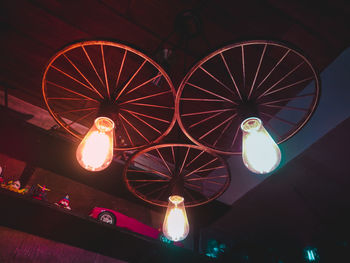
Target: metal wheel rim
[
  {"x": 127, "y": 127},
  {"x": 296, "y": 126}
]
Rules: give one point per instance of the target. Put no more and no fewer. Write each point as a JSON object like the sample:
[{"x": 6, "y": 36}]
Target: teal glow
[
  {"x": 214, "y": 249},
  {"x": 311, "y": 254},
  {"x": 165, "y": 240}
]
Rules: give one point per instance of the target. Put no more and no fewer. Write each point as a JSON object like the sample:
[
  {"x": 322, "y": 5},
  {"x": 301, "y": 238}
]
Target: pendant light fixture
[
  {"x": 176, "y": 177},
  {"x": 243, "y": 99},
  {"x": 246, "y": 98},
  {"x": 105, "y": 94}
]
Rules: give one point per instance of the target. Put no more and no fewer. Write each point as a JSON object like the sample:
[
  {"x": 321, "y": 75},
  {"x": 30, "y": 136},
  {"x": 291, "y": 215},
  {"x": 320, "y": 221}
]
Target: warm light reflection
[
  {"x": 95, "y": 152},
  {"x": 175, "y": 226},
  {"x": 259, "y": 151}
]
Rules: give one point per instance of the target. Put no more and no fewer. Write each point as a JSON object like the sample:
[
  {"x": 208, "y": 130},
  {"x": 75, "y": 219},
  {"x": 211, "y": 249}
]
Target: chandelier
[{"x": 245, "y": 98}]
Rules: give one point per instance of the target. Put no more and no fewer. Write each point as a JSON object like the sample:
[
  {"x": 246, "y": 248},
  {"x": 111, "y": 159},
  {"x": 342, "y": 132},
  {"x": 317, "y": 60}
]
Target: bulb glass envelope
[
  {"x": 260, "y": 153},
  {"x": 95, "y": 152},
  {"x": 175, "y": 225}
]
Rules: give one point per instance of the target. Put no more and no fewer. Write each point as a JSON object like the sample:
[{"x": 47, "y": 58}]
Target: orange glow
[
  {"x": 260, "y": 153},
  {"x": 175, "y": 226},
  {"x": 95, "y": 152}
]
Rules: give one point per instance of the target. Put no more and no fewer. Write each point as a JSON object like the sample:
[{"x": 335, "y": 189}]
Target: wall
[
  {"x": 20, "y": 247},
  {"x": 305, "y": 203}
]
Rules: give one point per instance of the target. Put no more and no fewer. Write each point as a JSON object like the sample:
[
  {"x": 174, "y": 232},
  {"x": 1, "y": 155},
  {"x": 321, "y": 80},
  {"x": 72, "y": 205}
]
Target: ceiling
[{"x": 33, "y": 31}]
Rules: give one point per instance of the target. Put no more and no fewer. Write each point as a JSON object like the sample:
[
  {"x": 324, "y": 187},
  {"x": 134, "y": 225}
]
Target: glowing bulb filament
[
  {"x": 259, "y": 151},
  {"x": 95, "y": 152},
  {"x": 175, "y": 226}
]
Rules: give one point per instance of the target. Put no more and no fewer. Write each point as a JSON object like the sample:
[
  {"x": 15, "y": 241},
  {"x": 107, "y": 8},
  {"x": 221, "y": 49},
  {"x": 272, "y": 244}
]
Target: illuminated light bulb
[
  {"x": 95, "y": 152},
  {"x": 175, "y": 226},
  {"x": 260, "y": 153}
]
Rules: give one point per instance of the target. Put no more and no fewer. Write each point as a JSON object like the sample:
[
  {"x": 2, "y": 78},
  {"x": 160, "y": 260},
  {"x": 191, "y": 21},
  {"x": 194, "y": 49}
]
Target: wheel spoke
[
  {"x": 71, "y": 77},
  {"x": 213, "y": 129},
  {"x": 210, "y": 169},
  {"x": 92, "y": 65},
  {"x": 229, "y": 71},
  {"x": 287, "y": 86},
  {"x": 148, "y": 180},
  {"x": 143, "y": 185},
  {"x": 71, "y": 91},
  {"x": 80, "y": 118},
  {"x": 157, "y": 160},
  {"x": 206, "y": 119},
  {"x": 280, "y": 119},
  {"x": 173, "y": 154},
  {"x": 65, "y": 98},
  {"x": 193, "y": 99},
  {"x": 150, "y": 169},
  {"x": 127, "y": 84},
  {"x": 184, "y": 161},
  {"x": 193, "y": 185},
  {"x": 207, "y": 178},
  {"x": 235, "y": 137},
  {"x": 243, "y": 65},
  {"x": 76, "y": 110},
  {"x": 126, "y": 131},
  {"x": 287, "y": 107},
  {"x": 146, "y": 97},
  {"x": 152, "y": 105},
  {"x": 272, "y": 70},
  {"x": 156, "y": 190},
  {"x": 222, "y": 132},
  {"x": 132, "y": 126},
  {"x": 211, "y": 93},
  {"x": 195, "y": 158},
  {"x": 289, "y": 99},
  {"x": 284, "y": 77},
  {"x": 144, "y": 83},
  {"x": 105, "y": 71},
  {"x": 217, "y": 80},
  {"x": 143, "y": 121},
  {"x": 121, "y": 69},
  {"x": 214, "y": 182},
  {"x": 194, "y": 171},
  {"x": 257, "y": 71},
  {"x": 81, "y": 74},
  {"x": 145, "y": 115},
  {"x": 205, "y": 112},
  {"x": 166, "y": 164},
  {"x": 161, "y": 193}
]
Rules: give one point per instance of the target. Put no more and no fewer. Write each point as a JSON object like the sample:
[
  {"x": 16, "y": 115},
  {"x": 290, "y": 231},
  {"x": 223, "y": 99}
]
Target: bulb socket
[
  {"x": 176, "y": 199},
  {"x": 104, "y": 124},
  {"x": 251, "y": 124}
]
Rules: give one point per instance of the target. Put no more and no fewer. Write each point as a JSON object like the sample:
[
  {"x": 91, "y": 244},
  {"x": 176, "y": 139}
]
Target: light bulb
[
  {"x": 95, "y": 152},
  {"x": 175, "y": 226},
  {"x": 260, "y": 153}
]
